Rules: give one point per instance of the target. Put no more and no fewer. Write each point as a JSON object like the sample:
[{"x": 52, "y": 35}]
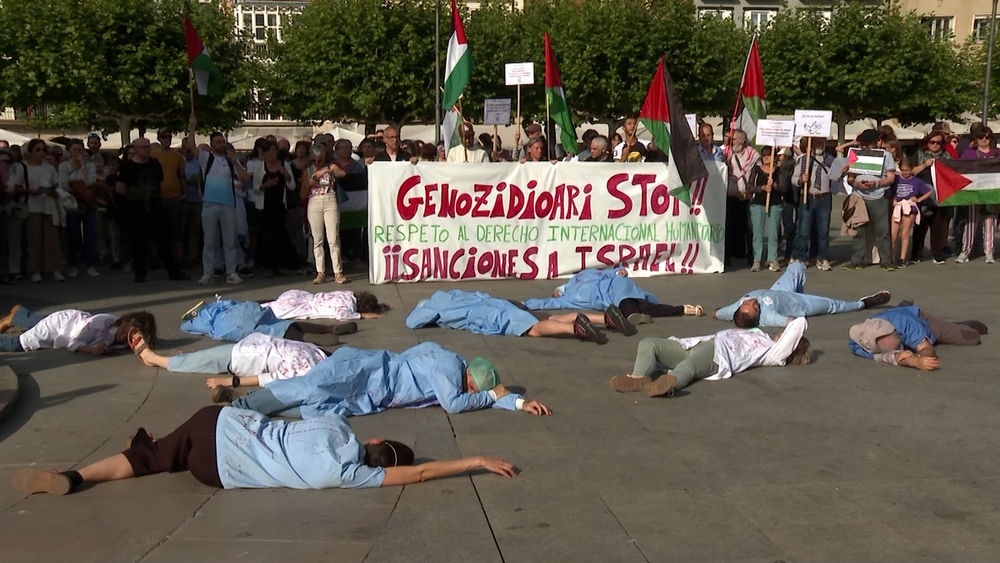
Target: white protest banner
[
  {"x": 771, "y": 132},
  {"x": 435, "y": 221},
  {"x": 813, "y": 123},
  {"x": 519, "y": 73},
  {"x": 692, "y": 120},
  {"x": 496, "y": 111}
]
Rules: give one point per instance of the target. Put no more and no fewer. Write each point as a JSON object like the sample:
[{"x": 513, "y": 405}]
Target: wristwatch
[{"x": 236, "y": 381}]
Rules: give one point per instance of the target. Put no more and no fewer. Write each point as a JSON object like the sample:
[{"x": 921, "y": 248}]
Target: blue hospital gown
[
  {"x": 472, "y": 311},
  {"x": 593, "y": 290}
]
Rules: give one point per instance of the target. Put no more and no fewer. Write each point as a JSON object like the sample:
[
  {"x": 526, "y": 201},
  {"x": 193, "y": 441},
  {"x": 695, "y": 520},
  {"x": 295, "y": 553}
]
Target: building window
[
  {"x": 981, "y": 28},
  {"x": 756, "y": 19},
  {"x": 941, "y": 27},
  {"x": 721, "y": 13},
  {"x": 263, "y": 21}
]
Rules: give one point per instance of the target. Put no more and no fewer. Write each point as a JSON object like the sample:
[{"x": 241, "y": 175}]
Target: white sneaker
[
  {"x": 127, "y": 267},
  {"x": 962, "y": 258},
  {"x": 57, "y": 276},
  {"x": 234, "y": 279},
  {"x": 36, "y": 278},
  {"x": 205, "y": 280},
  {"x": 72, "y": 272},
  {"x": 774, "y": 266},
  {"x": 823, "y": 266},
  {"x": 990, "y": 259},
  {"x": 92, "y": 272}
]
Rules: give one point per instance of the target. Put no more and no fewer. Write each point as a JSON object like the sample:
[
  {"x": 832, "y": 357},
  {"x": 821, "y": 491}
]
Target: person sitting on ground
[
  {"x": 231, "y": 448},
  {"x": 777, "y": 306},
  {"x": 77, "y": 331},
  {"x": 255, "y": 361},
  {"x": 596, "y": 290},
  {"x": 354, "y": 382},
  {"x": 713, "y": 357},
  {"x": 482, "y": 313},
  {"x": 906, "y": 336},
  {"x": 232, "y": 321}
]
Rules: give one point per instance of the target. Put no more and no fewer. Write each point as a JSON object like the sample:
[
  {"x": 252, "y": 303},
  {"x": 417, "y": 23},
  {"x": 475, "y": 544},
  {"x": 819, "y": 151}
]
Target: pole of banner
[
  {"x": 496, "y": 141},
  {"x": 774, "y": 166},
  {"x": 461, "y": 128},
  {"x": 437, "y": 72},
  {"x": 517, "y": 134},
  {"x": 989, "y": 62},
  {"x": 549, "y": 144},
  {"x": 805, "y": 185}
]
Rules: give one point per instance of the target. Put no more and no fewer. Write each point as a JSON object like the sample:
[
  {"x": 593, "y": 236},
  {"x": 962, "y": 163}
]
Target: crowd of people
[{"x": 75, "y": 208}]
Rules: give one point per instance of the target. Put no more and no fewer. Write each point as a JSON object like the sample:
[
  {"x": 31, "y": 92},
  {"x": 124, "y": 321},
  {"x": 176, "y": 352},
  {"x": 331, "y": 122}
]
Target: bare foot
[
  {"x": 147, "y": 357},
  {"x": 213, "y": 382}
]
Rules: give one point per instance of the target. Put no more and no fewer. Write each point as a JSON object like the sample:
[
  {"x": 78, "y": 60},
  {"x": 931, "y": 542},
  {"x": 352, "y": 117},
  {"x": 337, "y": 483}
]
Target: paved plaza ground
[{"x": 842, "y": 460}]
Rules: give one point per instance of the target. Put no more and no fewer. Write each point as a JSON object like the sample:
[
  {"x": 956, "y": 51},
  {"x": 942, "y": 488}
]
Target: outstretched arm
[{"x": 407, "y": 475}]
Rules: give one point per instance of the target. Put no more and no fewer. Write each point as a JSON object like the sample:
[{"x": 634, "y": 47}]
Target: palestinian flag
[
  {"x": 967, "y": 182},
  {"x": 865, "y": 161},
  {"x": 558, "y": 106},
  {"x": 457, "y": 70},
  {"x": 664, "y": 118},
  {"x": 750, "y": 104},
  {"x": 206, "y": 74}
]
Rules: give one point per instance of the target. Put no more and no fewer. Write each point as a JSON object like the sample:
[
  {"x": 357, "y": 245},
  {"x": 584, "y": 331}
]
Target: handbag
[{"x": 82, "y": 192}]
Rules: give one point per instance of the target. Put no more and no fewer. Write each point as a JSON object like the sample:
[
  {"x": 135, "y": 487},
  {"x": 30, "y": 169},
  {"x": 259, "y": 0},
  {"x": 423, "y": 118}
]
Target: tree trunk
[
  {"x": 841, "y": 127},
  {"x": 125, "y": 130}
]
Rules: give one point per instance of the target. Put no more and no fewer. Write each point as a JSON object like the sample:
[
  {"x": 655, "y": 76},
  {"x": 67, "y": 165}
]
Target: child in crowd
[{"x": 910, "y": 191}]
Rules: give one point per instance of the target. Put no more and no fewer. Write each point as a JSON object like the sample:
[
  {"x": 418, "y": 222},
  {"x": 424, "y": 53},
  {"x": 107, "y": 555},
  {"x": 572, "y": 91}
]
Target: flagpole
[
  {"x": 739, "y": 90},
  {"x": 191, "y": 88},
  {"x": 437, "y": 72},
  {"x": 549, "y": 144}
]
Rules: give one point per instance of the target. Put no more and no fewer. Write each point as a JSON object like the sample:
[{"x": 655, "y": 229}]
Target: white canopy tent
[{"x": 13, "y": 138}]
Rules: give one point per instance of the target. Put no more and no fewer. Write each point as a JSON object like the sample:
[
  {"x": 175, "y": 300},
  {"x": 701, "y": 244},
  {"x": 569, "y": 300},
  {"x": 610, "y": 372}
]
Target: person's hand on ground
[
  {"x": 498, "y": 466},
  {"x": 213, "y": 382},
  {"x": 536, "y": 408}
]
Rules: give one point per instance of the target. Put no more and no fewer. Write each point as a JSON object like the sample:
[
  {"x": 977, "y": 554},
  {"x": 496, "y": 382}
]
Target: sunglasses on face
[{"x": 933, "y": 142}]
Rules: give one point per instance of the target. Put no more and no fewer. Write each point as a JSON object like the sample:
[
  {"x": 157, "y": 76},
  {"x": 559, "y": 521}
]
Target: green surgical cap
[{"x": 484, "y": 374}]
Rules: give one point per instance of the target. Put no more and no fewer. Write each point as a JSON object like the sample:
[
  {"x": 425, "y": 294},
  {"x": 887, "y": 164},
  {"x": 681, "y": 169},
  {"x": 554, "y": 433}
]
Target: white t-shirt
[
  {"x": 739, "y": 349},
  {"x": 299, "y": 304},
  {"x": 621, "y": 146},
  {"x": 220, "y": 181},
  {"x": 462, "y": 154},
  {"x": 43, "y": 175},
  {"x": 271, "y": 358},
  {"x": 70, "y": 329}
]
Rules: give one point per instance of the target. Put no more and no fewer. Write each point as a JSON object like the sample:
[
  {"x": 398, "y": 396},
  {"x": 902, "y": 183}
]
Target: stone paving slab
[{"x": 842, "y": 460}]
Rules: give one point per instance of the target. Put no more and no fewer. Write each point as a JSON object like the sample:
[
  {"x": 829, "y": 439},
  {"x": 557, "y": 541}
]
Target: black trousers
[
  {"x": 273, "y": 245},
  {"x": 632, "y": 306},
  {"x": 191, "y": 446},
  {"x": 738, "y": 233},
  {"x": 147, "y": 219}
]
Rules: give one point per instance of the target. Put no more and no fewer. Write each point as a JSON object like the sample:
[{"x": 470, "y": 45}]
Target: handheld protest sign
[{"x": 865, "y": 162}]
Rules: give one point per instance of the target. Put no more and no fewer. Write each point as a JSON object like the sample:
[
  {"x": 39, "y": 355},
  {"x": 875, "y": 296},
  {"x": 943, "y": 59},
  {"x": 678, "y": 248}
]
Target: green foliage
[
  {"x": 357, "y": 60},
  {"x": 115, "y": 64}
]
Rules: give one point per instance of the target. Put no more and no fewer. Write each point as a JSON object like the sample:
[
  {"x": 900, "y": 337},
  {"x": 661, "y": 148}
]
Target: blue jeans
[
  {"x": 758, "y": 217},
  {"x": 213, "y": 361},
  {"x": 218, "y": 223},
  {"x": 88, "y": 217},
  {"x": 25, "y": 319},
  {"x": 265, "y": 402},
  {"x": 816, "y": 211},
  {"x": 805, "y": 305}
]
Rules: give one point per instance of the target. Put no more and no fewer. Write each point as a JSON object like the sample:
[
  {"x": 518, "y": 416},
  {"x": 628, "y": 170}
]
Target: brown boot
[
  {"x": 978, "y": 326},
  {"x": 31, "y": 481},
  {"x": 664, "y": 385},
  {"x": 629, "y": 384}
]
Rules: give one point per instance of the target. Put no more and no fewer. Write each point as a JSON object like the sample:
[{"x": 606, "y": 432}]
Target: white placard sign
[
  {"x": 693, "y": 124},
  {"x": 771, "y": 132},
  {"x": 813, "y": 123},
  {"x": 496, "y": 111},
  {"x": 520, "y": 73}
]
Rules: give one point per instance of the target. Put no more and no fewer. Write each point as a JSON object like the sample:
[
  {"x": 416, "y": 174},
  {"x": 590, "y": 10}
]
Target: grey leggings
[{"x": 686, "y": 365}]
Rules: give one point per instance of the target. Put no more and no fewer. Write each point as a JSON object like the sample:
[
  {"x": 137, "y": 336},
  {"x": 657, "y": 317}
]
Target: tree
[
  {"x": 116, "y": 64},
  {"x": 356, "y": 60}
]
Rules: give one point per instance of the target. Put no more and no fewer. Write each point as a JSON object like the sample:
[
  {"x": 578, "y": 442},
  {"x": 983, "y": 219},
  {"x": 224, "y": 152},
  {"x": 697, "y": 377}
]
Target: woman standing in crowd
[
  {"x": 765, "y": 181},
  {"x": 295, "y": 218},
  {"x": 272, "y": 180},
  {"x": 984, "y": 149},
  {"x": 741, "y": 160},
  {"x": 44, "y": 254},
  {"x": 78, "y": 176},
  {"x": 932, "y": 218},
  {"x": 192, "y": 205},
  {"x": 319, "y": 185}
]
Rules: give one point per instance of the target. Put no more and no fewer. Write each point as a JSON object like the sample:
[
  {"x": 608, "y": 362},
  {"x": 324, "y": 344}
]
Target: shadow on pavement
[{"x": 30, "y": 401}]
